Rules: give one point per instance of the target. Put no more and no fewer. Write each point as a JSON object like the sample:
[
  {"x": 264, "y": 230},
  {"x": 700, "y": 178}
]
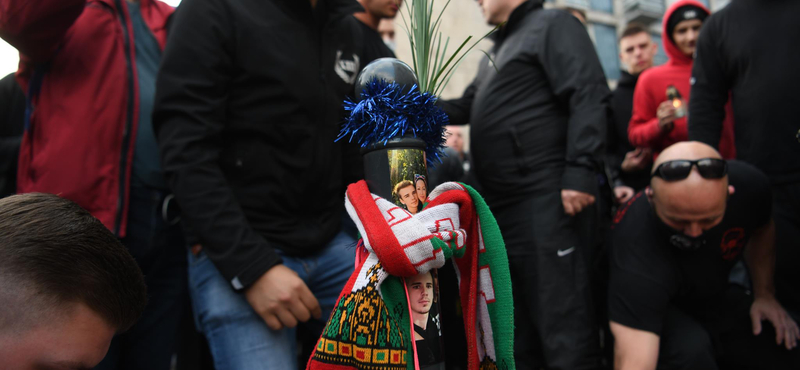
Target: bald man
[{"x": 673, "y": 246}]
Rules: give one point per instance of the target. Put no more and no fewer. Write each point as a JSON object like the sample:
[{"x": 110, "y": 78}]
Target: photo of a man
[
  {"x": 406, "y": 194},
  {"x": 422, "y": 296}
]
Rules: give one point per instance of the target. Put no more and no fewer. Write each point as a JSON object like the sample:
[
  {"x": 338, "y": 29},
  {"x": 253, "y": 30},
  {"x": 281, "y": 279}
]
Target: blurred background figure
[
  {"x": 577, "y": 13},
  {"x": 12, "y": 120},
  {"x": 386, "y": 30},
  {"x": 538, "y": 115},
  {"x": 662, "y": 93},
  {"x": 456, "y": 163},
  {"x": 628, "y": 166},
  {"x": 356, "y": 43},
  {"x": 749, "y": 51}
]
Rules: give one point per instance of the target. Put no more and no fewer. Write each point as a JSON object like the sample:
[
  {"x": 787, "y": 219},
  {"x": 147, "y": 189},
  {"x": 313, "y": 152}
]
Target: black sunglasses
[{"x": 679, "y": 169}]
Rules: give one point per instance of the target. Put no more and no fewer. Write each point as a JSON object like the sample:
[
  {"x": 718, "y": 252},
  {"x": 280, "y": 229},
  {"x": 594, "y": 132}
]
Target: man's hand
[
  {"x": 575, "y": 201},
  {"x": 637, "y": 159},
  {"x": 786, "y": 330},
  {"x": 623, "y": 193},
  {"x": 665, "y": 114},
  {"x": 282, "y": 299}
]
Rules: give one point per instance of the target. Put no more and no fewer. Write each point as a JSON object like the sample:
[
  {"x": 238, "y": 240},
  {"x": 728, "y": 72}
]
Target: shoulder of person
[
  {"x": 651, "y": 74},
  {"x": 630, "y": 216},
  {"x": 746, "y": 178}
]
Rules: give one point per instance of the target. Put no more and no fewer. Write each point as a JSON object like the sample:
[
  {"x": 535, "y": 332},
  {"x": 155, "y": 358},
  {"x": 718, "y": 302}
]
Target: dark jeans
[
  {"x": 550, "y": 256},
  {"x": 786, "y": 212},
  {"x": 160, "y": 251},
  {"x": 728, "y": 344}
]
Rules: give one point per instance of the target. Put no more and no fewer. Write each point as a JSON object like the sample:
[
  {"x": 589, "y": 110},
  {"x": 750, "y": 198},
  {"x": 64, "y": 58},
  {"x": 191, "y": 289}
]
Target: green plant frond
[
  {"x": 432, "y": 64},
  {"x": 491, "y": 61},
  {"x": 452, "y": 57}
]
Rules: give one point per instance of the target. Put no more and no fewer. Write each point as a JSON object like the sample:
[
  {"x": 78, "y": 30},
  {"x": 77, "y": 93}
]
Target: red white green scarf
[{"x": 370, "y": 326}]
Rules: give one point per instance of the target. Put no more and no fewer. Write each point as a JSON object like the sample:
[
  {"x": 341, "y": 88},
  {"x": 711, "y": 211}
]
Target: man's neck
[
  {"x": 422, "y": 322},
  {"x": 370, "y": 20}
]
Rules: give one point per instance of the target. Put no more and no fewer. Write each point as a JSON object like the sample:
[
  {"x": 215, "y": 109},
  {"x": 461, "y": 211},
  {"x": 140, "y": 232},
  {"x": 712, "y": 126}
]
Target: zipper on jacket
[{"x": 126, "y": 133}]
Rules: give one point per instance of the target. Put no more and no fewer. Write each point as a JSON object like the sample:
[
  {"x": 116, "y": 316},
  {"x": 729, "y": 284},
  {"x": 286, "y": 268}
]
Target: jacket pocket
[{"x": 523, "y": 165}]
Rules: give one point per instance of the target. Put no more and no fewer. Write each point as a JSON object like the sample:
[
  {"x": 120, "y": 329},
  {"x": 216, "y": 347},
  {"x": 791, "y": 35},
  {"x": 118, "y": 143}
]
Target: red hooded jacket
[
  {"x": 78, "y": 69},
  {"x": 651, "y": 90}
]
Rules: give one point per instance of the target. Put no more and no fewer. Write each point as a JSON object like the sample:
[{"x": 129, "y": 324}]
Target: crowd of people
[{"x": 191, "y": 153}]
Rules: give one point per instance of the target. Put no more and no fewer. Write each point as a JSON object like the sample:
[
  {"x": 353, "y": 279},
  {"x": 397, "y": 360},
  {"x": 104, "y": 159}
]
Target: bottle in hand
[{"x": 675, "y": 97}]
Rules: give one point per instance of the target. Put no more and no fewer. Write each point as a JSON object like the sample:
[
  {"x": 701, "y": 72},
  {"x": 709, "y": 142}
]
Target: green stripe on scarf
[{"x": 502, "y": 311}]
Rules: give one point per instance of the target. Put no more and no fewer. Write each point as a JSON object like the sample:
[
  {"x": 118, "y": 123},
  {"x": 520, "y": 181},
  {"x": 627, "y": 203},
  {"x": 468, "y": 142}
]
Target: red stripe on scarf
[{"x": 379, "y": 233}]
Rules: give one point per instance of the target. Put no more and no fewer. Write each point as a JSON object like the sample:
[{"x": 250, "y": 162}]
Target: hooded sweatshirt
[{"x": 651, "y": 90}]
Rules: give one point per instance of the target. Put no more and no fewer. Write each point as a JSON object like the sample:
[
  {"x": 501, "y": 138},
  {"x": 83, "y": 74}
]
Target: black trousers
[
  {"x": 160, "y": 251},
  {"x": 786, "y": 212},
  {"x": 726, "y": 344},
  {"x": 549, "y": 257}
]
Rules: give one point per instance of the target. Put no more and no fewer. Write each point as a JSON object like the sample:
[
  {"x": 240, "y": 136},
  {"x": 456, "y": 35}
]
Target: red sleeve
[
  {"x": 643, "y": 128},
  {"x": 36, "y": 27}
]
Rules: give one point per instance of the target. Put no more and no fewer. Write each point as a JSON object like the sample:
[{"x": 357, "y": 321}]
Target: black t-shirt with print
[{"x": 648, "y": 274}]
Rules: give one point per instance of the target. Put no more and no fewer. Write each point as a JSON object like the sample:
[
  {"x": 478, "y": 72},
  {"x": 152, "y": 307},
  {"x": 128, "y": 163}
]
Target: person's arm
[
  {"x": 458, "y": 110},
  {"x": 760, "y": 258},
  {"x": 710, "y": 88},
  {"x": 634, "y": 349},
  {"x": 37, "y": 27},
  {"x": 189, "y": 118},
  {"x": 573, "y": 69}
]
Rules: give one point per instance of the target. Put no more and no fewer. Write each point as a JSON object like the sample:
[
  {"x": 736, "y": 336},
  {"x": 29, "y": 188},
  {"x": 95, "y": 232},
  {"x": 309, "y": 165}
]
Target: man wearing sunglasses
[{"x": 673, "y": 247}]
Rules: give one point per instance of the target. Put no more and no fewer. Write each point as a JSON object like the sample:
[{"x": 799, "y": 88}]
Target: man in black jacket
[
  {"x": 358, "y": 43},
  {"x": 247, "y": 111},
  {"x": 538, "y": 110},
  {"x": 762, "y": 77},
  {"x": 628, "y": 166}
]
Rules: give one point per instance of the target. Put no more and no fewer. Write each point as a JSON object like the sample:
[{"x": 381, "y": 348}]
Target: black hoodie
[{"x": 538, "y": 115}]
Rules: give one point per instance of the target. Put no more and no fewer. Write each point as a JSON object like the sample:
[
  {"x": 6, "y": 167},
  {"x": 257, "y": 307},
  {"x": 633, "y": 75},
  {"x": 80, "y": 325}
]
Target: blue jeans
[
  {"x": 158, "y": 246},
  {"x": 239, "y": 339}
]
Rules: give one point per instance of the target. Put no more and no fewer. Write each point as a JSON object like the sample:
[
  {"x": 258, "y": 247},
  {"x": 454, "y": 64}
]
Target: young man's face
[
  {"x": 685, "y": 35},
  {"x": 420, "y": 293},
  {"x": 382, "y": 8},
  {"x": 78, "y": 340},
  {"x": 637, "y": 52},
  {"x": 408, "y": 196}
]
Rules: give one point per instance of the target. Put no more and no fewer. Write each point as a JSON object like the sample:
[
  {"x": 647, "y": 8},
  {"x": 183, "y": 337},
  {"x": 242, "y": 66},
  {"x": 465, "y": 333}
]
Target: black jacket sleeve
[
  {"x": 578, "y": 82},
  {"x": 189, "y": 118},
  {"x": 459, "y": 110},
  {"x": 709, "y": 89}
]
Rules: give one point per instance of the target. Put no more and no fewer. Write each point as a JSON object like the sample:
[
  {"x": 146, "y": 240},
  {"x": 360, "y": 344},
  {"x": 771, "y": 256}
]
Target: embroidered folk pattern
[{"x": 361, "y": 332}]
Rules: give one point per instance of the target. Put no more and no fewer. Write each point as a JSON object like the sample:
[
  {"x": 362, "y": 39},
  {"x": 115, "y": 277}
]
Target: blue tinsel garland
[{"x": 385, "y": 112}]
